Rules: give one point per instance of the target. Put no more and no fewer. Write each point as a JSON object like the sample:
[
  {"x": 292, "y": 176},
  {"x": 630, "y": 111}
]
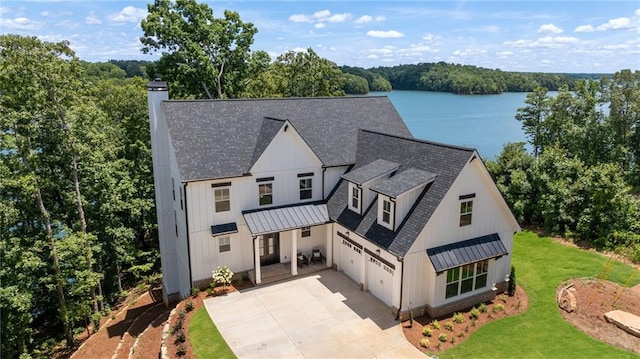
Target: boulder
[
  {"x": 628, "y": 322},
  {"x": 566, "y": 300}
]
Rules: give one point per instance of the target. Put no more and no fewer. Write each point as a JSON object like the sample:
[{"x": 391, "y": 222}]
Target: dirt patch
[
  {"x": 502, "y": 306},
  {"x": 593, "y": 299}
]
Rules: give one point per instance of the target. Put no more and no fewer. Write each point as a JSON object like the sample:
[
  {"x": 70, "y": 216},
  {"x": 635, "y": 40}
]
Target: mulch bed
[
  {"x": 198, "y": 302},
  {"x": 502, "y": 306},
  {"x": 593, "y": 299}
]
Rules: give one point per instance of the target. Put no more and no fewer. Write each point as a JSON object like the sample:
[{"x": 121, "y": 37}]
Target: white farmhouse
[{"x": 257, "y": 183}]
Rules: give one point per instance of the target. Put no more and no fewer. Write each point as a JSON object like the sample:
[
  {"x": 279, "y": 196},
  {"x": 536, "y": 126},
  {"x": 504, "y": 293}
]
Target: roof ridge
[
  {"x": 260, "y": 99},
  {"x": 413, "y": 139}
]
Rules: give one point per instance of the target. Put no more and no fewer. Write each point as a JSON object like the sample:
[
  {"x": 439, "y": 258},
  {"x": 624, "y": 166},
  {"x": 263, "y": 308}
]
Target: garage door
[
  {"x": 380, "y": 280},
  {"x": 350, "y": 258}
]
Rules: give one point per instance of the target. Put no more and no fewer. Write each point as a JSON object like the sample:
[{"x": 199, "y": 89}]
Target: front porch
[{"x": 282, "y": 271}]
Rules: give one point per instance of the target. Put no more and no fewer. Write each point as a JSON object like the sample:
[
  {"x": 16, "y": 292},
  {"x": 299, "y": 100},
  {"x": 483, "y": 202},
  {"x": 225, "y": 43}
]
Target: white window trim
[
  {"x": 474, "y": 279},
  {"x": 381, "y": 212},
  {"x": 353, "y": 187}
]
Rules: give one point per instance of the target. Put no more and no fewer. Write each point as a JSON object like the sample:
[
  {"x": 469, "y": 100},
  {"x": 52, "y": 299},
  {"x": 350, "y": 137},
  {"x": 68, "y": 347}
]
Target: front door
[{"x": 270, "y": 249}]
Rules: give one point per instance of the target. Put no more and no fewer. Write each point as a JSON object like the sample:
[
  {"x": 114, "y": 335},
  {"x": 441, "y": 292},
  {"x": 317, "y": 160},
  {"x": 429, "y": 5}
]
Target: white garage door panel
[
  {"x": 350, "y": 260},
  {"x": 380, "y": 280}
]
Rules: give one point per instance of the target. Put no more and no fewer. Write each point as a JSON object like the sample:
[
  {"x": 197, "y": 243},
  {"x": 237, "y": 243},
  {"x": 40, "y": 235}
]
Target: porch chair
[
  {"x": 302, "y": 260},
  {"x": 316, "y": 256}
]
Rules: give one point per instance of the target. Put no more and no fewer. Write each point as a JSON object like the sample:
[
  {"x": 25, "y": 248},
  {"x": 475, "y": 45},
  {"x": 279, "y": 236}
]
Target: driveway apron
[{"x": 324, "y": 315}]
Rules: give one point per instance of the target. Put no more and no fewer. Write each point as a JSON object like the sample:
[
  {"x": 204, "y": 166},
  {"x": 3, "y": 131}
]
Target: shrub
[
  {"x": 195, "y": 291},
  {"x": 180, "y": 338},
  {"x": 182, "y": 314},
  {"x": 482, "y": 308},
  {"x": 461, "y": 334},
  {"x": 222, "y": 275},
  {"x": 177, "y": 326},
  {"x": 443, "y": 338},
  {"x": 458, "y": 318},
  {"x": 474, "y": 313},
  {"x": 426, "y": 331},
  {"x": 189, "y": 306},
  {"x": 498, "y": 308},
  {"x": 466, "y": 329},
  {"x": 439, "y": 345},
  {"x": 473, "y": 322},
  {"x": 181, "y": 350},
  {"x": 209, "y": 291},
  {"x": 453, "y": 340},
  {"x": 511, "y": 288},
  {"x": 435, "y": 324},
  {"x": 448, "y": 326},
  {"x": 503, "y": 298},
  {"x": 425, "y": 343}
]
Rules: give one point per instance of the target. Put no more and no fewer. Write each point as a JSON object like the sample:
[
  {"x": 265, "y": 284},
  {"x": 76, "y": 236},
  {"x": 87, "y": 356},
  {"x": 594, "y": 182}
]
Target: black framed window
[
  {"x": 306, "y": 191},
  {"x": 305, "y": 231},
  {"x": 386, "y": 211},
  {"x": 222, "y": 199},
  {"x": 355, "y": 198},
  {"x": 265, "y": 192},
  {"x": 224, "y": 244},
  {"x": 466, "y": 209},
  {"x": 467, "y": 278}
]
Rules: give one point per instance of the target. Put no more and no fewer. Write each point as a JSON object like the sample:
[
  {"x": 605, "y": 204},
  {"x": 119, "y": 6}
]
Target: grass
[
  {"x": 540, "y": 332},
  {"x": 206, "y": 341}
]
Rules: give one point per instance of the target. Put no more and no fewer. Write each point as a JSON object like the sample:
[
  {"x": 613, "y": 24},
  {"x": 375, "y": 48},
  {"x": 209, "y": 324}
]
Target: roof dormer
[
  {"x": 362, "y": 178},
  {"x": 398, "y": 193}
]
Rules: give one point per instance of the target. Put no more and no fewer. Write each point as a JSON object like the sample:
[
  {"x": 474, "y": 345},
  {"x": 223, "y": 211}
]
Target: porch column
[
  {"x": 294, "y": 252},
  {"x": 329, "y": 250},
  {"x": 256, "y": 259}
]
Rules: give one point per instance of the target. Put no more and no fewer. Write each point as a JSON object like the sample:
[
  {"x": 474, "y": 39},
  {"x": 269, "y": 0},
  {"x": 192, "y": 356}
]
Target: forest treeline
[{"x": 581, "y": 178}]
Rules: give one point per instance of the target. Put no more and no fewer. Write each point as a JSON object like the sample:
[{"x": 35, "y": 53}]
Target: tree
[
  {"x": 533, "y": 118},
  {"x": 511, "y": 289},
  {"x": 298, "y": 74},
  {"x": 200, "y": 53},
  {"x": 355, "y": 85}
]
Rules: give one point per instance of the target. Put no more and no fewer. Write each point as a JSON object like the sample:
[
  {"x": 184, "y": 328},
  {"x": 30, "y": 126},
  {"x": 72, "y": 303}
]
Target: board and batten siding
[
  {"x": 332, "y": 177},
  {"x": 490, "y": 215}
]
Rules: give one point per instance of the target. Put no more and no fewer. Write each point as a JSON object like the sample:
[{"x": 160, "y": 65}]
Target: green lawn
[
  {"x": 540, "y": 332},
  {"x": 205, "y": 339}
]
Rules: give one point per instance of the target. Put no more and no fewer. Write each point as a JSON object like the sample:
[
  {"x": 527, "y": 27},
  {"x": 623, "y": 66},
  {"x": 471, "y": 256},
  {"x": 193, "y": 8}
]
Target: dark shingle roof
[
  {"x": 403, "y": 182},
  {"x": 370, "y": 171},
  {"x": 444, "y": 160},
  {"x": 218, "y": 138},
  {"x": 460, "y": 253}
]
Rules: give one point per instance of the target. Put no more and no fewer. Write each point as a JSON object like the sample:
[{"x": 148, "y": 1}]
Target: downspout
[
  {"x": 401, "y": 260},
  {"x": 324, "y": 169},
  {"x": 186, "y": 225}
]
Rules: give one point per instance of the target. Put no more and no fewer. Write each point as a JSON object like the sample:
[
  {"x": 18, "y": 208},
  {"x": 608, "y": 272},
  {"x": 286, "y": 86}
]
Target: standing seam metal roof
[
  {"x": 465, "y": 252},
  {"x": 285, "y": 218}
]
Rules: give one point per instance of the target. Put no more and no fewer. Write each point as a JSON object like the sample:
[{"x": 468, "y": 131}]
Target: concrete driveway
[{"x": 324, "y": 315}]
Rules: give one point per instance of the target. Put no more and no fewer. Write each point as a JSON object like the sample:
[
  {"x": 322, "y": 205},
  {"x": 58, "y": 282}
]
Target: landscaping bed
[
  {"x": 432, "y": 335},
  {"x": 593, "y": 299}
]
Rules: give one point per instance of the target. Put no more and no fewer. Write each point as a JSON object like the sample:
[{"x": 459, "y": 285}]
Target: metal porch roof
[
  {"x": 285, "y": 218},
  {"x": 465, "y": 252}
]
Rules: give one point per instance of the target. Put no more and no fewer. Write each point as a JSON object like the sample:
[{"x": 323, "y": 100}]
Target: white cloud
[
  {"x": 20, "y": 23},
  {"x": 615, "y": 24},
  {"x": 372, "y": 56},
  {"x": 300, "y": 18},
  {"x": 504, "y": 54},
  {"x": 68, "y": 24},
  {"x": 321, "y": 14},
  {"x": 616, "y": 47},
  {"x": 469, "y": 52},
  {"x": 91, "y": 19},
  {"x": 128, "y": 14},
  {"x": 4, "y": 10},
  {"x": 339, "y": 17},
  {"x": 380, "y": 18},
  {"x": 431, "y": 37},
  {"x": 385, "y": 51},
  {"x": 637, "y": 12},
  {"x": 47, "y": 13},
  {"x": 364, "y": 19},
  {"x": 550, "y": 28},
  {"x": 320, "y": 25},
  {"x": 299, "y": 49},
  {"x": 385, "y": 34},
  {"x": 546, "y": 41},
  {"x": 584, "y": 28}
]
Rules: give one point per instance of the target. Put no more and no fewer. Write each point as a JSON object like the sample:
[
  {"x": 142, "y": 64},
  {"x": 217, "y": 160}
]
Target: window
[
  {"x": 305, "y": 188},
  {"x": 355, "y": 198},
  {"x": 386, "y": 211},
  {"x": 306, "y": 231},
  {"x": 224, "y": 244},
  {"x": 265, "y": 190},
  {"x": 223, "y": 203},
  {"x": 467, "y": 278},
  {"x": 465, "y": 213}
]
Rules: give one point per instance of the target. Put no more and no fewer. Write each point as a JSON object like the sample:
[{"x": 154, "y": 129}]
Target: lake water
[{"x": 484, "y": 122}]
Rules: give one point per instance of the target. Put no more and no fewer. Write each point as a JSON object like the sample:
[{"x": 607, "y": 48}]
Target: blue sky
[{"x": 548, "y": 36}]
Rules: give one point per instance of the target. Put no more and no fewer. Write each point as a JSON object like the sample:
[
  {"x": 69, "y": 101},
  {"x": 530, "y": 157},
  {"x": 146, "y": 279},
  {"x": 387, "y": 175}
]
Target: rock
[
  {"x": 566, "y": 300},
  {"x": 628, "y": 322}
]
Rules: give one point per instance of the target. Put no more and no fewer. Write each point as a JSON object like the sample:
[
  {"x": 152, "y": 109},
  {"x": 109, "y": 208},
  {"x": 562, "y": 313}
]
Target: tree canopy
[{"x": 202, "y": 55}]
